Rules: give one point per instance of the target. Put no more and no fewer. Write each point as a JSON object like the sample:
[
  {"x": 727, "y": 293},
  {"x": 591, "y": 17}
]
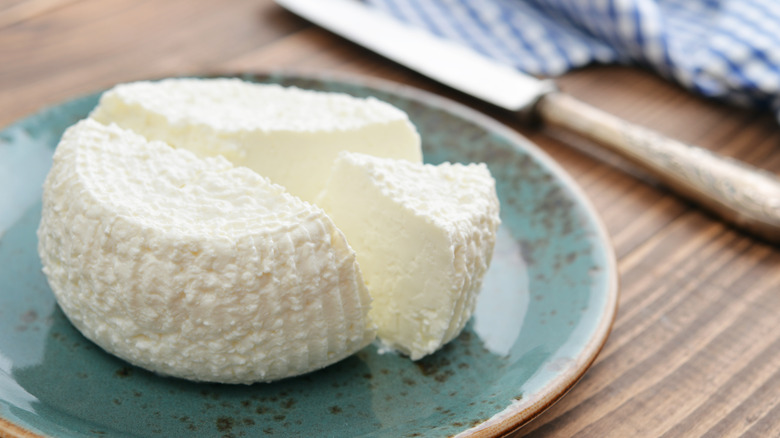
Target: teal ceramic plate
[{"x": 545, "y": 311}]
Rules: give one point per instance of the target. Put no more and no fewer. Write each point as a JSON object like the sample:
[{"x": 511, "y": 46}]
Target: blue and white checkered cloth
[{"x": 724, "y": 49}]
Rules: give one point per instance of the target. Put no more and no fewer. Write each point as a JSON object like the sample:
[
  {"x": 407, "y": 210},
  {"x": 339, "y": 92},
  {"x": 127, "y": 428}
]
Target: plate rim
[{"x": 517, "y": 414}]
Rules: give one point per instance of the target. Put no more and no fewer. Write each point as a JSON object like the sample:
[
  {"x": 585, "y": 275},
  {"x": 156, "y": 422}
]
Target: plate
[{"x": 545, "y": 311}]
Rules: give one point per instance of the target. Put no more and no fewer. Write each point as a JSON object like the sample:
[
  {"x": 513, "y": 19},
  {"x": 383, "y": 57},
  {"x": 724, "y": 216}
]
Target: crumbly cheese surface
[
  {"x": 289, "y": 135},
  {"x": 424, "y": 237},
  {"x": 192, "y": 267}
]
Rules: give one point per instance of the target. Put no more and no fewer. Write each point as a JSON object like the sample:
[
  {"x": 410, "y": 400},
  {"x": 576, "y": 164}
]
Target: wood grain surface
[{"x": 695, "y": 349}]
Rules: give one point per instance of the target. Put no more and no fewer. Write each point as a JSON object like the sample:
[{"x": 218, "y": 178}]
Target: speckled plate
[{"x": 545, "y": 310}]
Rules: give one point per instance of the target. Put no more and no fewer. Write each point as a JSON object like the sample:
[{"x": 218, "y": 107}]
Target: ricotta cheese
[
  {"x": 423, "y": 236},
  {"x": 194, "y": 268},
  {"x": 289, "y": 135}
]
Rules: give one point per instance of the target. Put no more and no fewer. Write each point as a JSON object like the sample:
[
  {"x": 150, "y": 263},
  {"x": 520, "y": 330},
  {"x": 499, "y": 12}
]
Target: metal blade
[{"x": 437, "y": 58}]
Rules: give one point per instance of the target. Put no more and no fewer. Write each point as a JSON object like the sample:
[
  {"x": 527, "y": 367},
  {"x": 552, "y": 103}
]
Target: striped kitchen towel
[{"x": 724, "y": 49}]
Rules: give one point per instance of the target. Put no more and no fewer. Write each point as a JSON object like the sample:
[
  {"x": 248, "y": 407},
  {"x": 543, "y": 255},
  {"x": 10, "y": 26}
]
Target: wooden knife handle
[{"x": 739, "y": 193}]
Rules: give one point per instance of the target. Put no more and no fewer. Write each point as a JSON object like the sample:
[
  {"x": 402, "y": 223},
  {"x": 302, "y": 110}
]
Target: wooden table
[{"x": 695, "y": 348}]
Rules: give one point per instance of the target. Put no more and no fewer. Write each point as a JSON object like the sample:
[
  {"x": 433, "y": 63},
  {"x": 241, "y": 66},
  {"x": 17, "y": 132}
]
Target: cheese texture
[
  {"x": 192, "y": 267},
  {"x": 289, "y": 135},
  {"x": 424, "y": 237}
]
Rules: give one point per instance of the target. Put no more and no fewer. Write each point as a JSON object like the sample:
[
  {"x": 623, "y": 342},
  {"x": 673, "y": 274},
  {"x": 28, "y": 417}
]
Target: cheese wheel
[{"x": 192, "y": 267}]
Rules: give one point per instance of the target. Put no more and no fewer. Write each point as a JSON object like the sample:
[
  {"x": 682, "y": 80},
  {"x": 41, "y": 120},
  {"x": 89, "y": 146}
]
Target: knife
[{"x": 737, "y": 192}]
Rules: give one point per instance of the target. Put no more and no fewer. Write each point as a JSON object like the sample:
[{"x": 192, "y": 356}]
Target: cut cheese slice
[
  {"x": 289, "y": 135},
  {"x": 423, "y": 236},
  {"x": 194, "y": 268}
]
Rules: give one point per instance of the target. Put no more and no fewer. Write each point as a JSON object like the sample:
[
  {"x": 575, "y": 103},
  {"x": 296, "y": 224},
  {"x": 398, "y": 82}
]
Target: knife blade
[
  {"x": 740, "y": 194},
  {"x": 448, "y": 63}
]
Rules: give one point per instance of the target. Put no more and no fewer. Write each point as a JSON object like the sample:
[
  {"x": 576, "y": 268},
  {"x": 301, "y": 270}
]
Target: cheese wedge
[
  {"x": 289, "y": 135},
  {"x": 194, "y": 268},
  {"x": 423, "y": 236}
]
